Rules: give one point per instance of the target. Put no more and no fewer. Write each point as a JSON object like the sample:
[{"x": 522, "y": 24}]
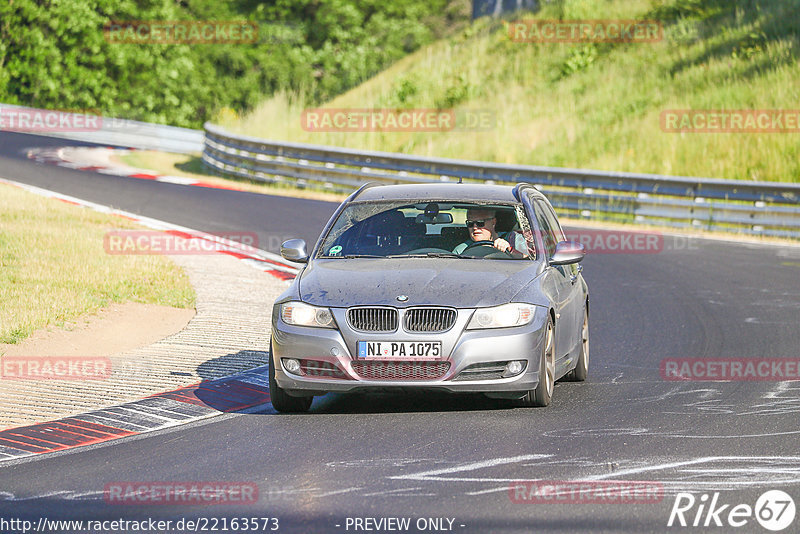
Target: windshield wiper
[
  {"x": 425, "y": 255},
  {"x": 355, "y": 256},
  {"x": 429, "y": 255},
  {"x": 446, "y": 255}
]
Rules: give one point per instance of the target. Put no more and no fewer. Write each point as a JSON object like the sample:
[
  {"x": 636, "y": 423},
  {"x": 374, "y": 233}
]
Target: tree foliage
[{"x": 54, "y": 53}]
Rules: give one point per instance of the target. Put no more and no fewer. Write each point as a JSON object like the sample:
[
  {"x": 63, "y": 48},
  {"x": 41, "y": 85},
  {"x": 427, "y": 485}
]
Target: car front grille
[
  {"x": 401, "y": 370},
  {"x": 372, "y": 319},
  {"x": 429, "y": 319}
]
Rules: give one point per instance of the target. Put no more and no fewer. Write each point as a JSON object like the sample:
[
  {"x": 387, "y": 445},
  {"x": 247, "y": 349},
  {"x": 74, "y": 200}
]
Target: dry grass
[
  {"x": 593, "y": 106},
  {"x": 54, "y": 269}
]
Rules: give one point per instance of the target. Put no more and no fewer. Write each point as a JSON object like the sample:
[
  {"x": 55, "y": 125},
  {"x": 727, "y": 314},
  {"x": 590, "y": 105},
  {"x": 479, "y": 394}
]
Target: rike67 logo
[{"x": 774, "y": 510}]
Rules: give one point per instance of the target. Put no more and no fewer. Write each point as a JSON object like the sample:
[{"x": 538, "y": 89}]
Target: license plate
[{"x": 411, "y": 350}]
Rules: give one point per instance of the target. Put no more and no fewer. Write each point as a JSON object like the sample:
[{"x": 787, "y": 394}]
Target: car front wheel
[
  {"x": 541, "y": 396},
  {"x": 581, "y": 370}
]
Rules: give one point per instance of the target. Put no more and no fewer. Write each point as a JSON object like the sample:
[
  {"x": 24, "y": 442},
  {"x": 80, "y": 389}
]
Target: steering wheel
[
  {"x": 485, "y": 252},
  {"x": 481, "y": 243}
]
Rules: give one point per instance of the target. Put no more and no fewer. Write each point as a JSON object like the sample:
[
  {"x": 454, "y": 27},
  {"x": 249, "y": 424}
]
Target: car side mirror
[
  {"x": 567, "y": 252},
  {"x": 294, "y": 250}
]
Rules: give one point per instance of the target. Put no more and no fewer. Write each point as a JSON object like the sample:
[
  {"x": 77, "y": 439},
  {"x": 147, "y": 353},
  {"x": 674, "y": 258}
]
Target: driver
[{"x": 481, "y": 224}]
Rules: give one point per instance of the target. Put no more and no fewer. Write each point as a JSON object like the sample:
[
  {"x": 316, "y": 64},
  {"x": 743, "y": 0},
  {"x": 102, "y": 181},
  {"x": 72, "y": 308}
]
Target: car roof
[{"x": 439, "y": 191}]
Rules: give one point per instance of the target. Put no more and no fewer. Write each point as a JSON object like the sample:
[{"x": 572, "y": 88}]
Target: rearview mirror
[
  {"x": 568, "y": 252},
  {"x": 439, "y": 218},
  {"x": 294, "y": 250}
]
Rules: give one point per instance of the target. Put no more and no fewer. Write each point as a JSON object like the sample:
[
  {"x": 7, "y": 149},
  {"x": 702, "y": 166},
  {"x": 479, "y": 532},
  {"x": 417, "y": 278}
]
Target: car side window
[
  {"x": 552, "y": 221},
  {"x": 544, "y": 226},
  {"x": 558, "y": 234}
]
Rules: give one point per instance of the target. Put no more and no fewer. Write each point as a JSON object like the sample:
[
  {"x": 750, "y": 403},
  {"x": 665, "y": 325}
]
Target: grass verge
[
  {"x": 589, "y": 105},
  {"x": 54, "y": 269}
]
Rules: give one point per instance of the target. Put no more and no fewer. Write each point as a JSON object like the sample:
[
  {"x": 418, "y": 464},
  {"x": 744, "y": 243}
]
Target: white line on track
[{"x": 435, "y": 474}]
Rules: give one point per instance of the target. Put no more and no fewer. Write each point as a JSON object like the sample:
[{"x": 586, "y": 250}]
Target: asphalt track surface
[{"x": 439, "y": 456}]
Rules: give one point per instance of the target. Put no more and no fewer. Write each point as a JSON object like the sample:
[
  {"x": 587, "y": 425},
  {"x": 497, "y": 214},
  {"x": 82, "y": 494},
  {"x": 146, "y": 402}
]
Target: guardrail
[
  {"x": 101, "y": 130},
  {"x": 762, "y": 208}
]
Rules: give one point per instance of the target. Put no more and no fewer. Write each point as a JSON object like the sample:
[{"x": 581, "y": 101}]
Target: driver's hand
[{"x": 502, "y": 245}]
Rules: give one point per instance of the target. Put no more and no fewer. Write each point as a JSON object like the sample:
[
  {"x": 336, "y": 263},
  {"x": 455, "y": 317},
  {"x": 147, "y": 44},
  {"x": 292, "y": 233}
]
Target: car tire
[
  {"x": 581, "y": 370},
  {"x": 282, "y": 401},
  {"x": 543, "y": 393}
]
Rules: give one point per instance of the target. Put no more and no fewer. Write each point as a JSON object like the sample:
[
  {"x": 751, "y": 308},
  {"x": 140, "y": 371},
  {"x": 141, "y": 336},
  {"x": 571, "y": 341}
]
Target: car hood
[{"x": 460, "y": 283}]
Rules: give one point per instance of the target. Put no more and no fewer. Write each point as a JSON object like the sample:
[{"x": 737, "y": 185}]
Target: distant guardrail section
[
  {"x": 93, "y": 128},
  {"x": 756, "y": 208}
]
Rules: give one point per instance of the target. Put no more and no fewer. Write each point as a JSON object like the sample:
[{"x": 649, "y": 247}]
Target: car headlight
[
  {"x": 301, "y": 314},
  {"x": 504, "y": 316}
]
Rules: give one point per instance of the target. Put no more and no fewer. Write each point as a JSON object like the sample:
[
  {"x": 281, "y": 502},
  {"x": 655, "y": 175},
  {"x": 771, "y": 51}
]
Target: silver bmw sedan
[{"x": 459, "y": 287}]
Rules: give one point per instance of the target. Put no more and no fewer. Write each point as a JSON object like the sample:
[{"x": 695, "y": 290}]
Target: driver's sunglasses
[{"x": 480, "y": 223}]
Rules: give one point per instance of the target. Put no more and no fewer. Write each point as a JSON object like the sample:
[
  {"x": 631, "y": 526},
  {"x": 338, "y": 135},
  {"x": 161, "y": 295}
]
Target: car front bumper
[{"x": 462, "y": 348}]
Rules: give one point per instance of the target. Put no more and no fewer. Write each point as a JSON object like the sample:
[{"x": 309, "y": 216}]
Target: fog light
[
  {"x": 292, "y": 365},
  {"x": 513, "y": 368}
]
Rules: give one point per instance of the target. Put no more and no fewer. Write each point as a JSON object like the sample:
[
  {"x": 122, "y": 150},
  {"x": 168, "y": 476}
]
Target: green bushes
[{"x": 53, "y": 53}]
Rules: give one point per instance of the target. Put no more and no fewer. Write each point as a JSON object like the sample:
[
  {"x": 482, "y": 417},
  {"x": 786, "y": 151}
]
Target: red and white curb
[
  {"x": 100, "y": 160},
  {"x": 246, "y": 391},
  {"x": 262, "y": 260}
]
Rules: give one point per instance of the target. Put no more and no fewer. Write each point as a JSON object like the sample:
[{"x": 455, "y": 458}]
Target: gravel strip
[{"x": 230, "y": 333}]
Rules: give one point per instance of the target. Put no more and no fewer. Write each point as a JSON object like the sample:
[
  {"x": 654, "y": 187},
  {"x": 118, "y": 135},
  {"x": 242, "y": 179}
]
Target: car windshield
[{"x": 430, "y": 229}]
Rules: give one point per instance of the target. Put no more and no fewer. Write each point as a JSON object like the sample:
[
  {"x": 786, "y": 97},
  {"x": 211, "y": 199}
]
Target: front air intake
[{"x": 400, "y": 370}]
